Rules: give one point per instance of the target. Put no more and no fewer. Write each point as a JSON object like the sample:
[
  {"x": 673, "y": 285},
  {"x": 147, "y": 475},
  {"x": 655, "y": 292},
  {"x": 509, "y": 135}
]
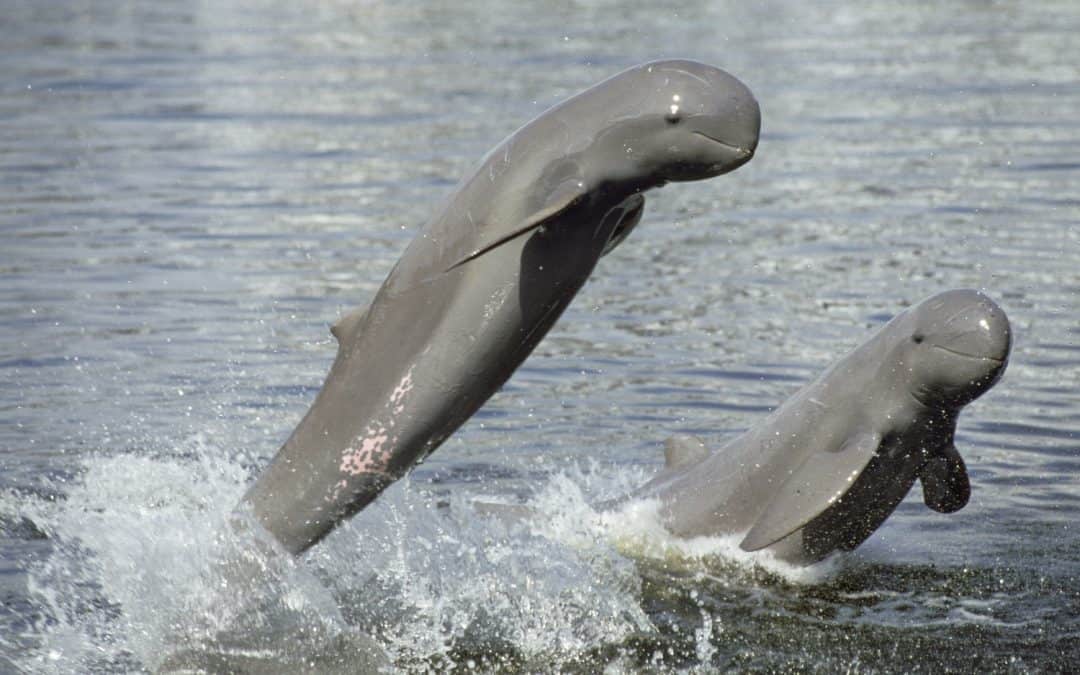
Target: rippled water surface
[{"x": 190, "y": 193}]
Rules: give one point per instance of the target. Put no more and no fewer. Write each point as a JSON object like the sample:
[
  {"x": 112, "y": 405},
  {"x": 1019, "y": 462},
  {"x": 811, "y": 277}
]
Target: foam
[{"x": 149, "y": 561}]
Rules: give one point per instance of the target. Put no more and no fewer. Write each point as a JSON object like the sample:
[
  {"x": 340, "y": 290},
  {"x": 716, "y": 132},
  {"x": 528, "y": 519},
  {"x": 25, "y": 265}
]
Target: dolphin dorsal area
[{"x": 683, "y": 450}]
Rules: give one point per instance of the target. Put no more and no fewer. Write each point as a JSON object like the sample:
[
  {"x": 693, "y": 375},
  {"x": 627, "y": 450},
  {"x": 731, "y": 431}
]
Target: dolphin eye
[
  {"x": 674, "y": 114},
  {"x": 917, "y": 338}
]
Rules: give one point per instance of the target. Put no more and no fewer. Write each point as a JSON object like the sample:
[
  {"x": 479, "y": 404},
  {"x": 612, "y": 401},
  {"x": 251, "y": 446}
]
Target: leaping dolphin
[
  {"x": 488, "y": 275},
  {"x": 826, "y": 468}
]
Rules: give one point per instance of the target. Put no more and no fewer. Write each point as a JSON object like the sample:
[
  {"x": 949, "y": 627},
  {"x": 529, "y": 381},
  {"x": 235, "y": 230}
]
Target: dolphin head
[
  {"x": 955, "y": 347},
  {"x": 680, "y": 120},
  {"x": 705, "y": 122}
]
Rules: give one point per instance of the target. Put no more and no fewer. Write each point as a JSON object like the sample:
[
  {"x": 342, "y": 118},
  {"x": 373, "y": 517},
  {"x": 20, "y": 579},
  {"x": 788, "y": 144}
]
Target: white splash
[{"x": 147, "y": 563}]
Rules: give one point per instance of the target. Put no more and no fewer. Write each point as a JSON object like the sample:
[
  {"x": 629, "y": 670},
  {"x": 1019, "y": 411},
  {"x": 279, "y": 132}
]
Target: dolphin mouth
[
  {"x": 740, "y": 152},
  {"x": 965, "y": 355}
]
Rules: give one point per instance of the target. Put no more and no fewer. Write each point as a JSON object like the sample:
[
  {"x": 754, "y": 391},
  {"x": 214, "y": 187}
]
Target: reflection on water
[{"x": 191, "y": 192}]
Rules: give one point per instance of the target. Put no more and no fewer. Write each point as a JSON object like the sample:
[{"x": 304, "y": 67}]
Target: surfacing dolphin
[
  {"x": 826, "y": 468},
  {"x": 486, "y": 278}
]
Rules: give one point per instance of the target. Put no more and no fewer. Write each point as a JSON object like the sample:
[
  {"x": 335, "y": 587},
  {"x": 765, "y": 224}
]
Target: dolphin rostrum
[
  {"x": 487, "y": 277},
  {"x": 826, "y": 468}
]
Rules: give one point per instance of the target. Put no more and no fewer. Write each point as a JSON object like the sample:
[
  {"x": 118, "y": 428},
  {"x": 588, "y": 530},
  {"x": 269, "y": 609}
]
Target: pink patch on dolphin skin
[
  {"x": 369, "y": 457},
  {"x": 397, "y": 397},
  {"x": 335, "y": 492},
  {"x": 370, "y": 453}
]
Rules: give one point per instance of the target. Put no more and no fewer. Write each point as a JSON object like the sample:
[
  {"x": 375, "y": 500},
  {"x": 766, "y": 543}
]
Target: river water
[{"x": 191, "y": 192}]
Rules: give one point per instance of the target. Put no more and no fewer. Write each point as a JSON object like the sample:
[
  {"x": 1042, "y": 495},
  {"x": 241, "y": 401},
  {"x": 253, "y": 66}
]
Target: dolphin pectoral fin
[
  {"x": 683, "y": 450},
  {"x": 346, "y": 326},
  {"x": 560, "y": 201},
  {"x": 813, "y": 487},
  {"x": 629, "y": 216},
  {"x": 946, "y": 487}
]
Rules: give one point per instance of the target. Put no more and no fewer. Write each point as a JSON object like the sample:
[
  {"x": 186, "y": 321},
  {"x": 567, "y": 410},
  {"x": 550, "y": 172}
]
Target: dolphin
[
  {"x": 488, "y": 275},
  {"x": 826, "y": 468}
]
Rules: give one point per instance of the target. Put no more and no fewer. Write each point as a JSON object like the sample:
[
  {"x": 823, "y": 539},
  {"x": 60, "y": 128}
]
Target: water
[{"x": 190, "y": 193}]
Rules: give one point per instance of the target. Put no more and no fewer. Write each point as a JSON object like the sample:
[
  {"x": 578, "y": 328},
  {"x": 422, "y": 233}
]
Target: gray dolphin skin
[
  {"x": 826, "y": 468},
  {"x": 487, "y": 277}
]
